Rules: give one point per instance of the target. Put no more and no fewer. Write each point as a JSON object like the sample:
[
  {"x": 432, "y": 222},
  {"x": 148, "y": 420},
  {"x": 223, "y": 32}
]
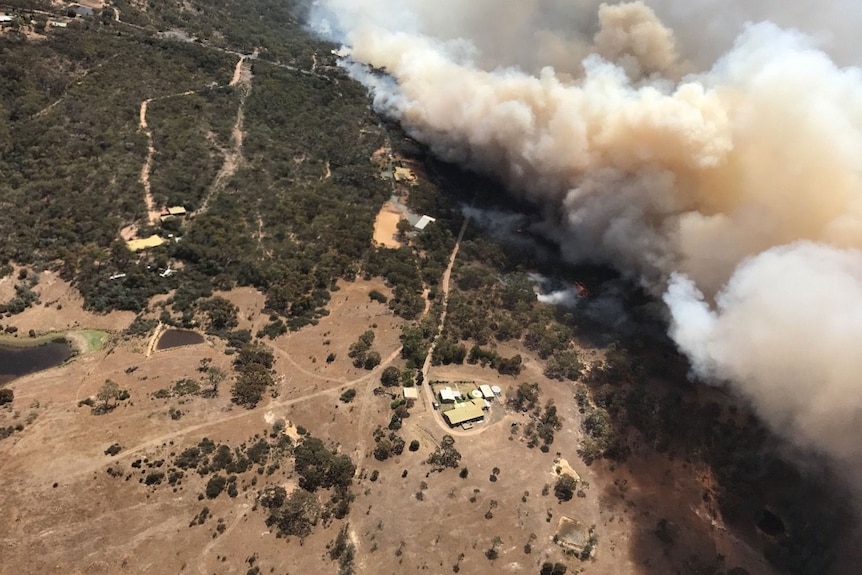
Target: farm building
[
  {"x": 404, "y": 175},
  {"x": 467, "y": 411},
  {"x": 411, "y": 393},
  {"x": 449, "y": 395},
  {"x": 423, "y": 222},
  {"x": 487, "y": 392},
  {"x": 145, "y": 243}
]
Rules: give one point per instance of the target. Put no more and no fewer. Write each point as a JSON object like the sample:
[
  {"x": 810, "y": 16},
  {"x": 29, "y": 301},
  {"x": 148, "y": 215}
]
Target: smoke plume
[{"x": 706, "y": 149}]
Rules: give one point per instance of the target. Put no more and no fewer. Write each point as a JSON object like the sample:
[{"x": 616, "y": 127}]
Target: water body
[
  {"x": 18, "y": 361},
  {"x": 178, "y": 337}
]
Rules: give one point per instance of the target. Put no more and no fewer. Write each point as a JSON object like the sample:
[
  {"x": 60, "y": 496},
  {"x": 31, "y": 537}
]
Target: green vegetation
[
  {"x": 565, "y": 487},
  {"x": 377, "y": 296},
  {"x": 387, "y": 445},
  {"x": 253, "y": 365},
  {"x": 88, "y": 340},
  {"x": 319, "y": 468},
  {"x": 66, "y": 204},
  {"x": 445, "y": 455},
  {"x": 348, "y": 395},
  {"x": 110, "y": 391},
  {"x": 360, "y": 351},
  {"x": 390, "y": 376}
]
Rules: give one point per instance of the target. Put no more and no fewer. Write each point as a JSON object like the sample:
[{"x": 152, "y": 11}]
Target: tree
[
  {"x": 390, "y": 376},
  {"x": 215, "y": 486},
  {"x": 254, "y": 353},
  {"x": 317, "y": 466},
  {"x": 383, "y": 449},
  {"x": 446, "y": 455},
  {"x": 222, "y": 314},
  {"x": 553, "y": 569},
  {"x": 565, "y": 487},
  {"x": 525, "y": 397},
  {"x": 564, "y": 365},
  {"x": 250, "y": 385},
  {"x": 109, "y": 390},
  {"x": 215, "y": 376},
  {"x": 372, "y": 360},
  {"x": 297, "y": 515},
  {"x": 6, "y": 396}
]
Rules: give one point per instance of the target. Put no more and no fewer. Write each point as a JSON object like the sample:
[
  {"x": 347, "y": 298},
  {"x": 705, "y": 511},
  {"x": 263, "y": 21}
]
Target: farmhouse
[
  {"x": 145, "y": 243},
  {"x": 449, "y": 395},
  {"x": 405, "y": 175},
  {"x": 464, "y": 412}
]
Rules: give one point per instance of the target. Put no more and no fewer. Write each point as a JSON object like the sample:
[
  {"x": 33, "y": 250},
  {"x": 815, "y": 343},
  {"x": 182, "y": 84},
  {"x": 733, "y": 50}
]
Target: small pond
[
  {"x": 178, "y": 337},
  {"x": 16, "y": 361}
]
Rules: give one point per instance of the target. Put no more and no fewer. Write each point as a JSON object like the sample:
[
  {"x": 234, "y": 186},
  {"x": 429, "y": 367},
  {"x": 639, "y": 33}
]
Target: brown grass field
[{"x": 64, "y": 513}]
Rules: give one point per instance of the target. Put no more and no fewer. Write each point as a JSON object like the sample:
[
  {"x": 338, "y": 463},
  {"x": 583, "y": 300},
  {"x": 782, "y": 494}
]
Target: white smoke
[{"x": 730, "y": 183}]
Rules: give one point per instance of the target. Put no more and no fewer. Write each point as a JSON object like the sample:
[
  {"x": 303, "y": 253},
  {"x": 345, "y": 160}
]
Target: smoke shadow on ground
[{"x": 696, "y": 475}]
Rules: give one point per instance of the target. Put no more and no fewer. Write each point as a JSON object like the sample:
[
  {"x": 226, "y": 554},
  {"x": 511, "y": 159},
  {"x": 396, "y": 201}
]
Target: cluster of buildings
[
  {"x": 466, "y": 410},
  {"x": 155, "y": 240}
]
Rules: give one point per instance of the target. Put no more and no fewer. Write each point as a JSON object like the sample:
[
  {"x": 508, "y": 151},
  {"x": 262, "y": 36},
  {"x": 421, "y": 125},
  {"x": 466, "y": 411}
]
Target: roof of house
[
  {"x": 177, "y": 211},
  {"x": 411, "y": 393},
  {"x": 81, "y": 10},
  {"x": 145, "y": 243},
  {"x": 467, "y": 411},
  {"x": 404, "y": 175},
  {"x": 449, "y": 394},
  {"x": 5, "y": 18},
  {"x": 423, "y": 222}
]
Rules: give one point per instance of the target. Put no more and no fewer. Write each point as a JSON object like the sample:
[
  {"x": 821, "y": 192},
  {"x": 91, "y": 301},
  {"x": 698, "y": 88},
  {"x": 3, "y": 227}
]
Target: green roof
[{"x": 464, "y": 412}]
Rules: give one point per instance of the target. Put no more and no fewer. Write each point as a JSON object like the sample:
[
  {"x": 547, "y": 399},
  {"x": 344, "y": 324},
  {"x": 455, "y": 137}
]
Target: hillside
[{"x": 306, "y": 433}]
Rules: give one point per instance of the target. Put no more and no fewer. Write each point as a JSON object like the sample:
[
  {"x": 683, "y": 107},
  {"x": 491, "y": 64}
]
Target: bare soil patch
[
  {"x": 408, "y": 519},
  {"x": 386, "y": 226}
]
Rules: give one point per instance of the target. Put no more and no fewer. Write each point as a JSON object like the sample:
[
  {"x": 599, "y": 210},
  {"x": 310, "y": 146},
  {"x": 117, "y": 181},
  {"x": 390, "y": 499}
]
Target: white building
[{"x": 423, "y": 222}]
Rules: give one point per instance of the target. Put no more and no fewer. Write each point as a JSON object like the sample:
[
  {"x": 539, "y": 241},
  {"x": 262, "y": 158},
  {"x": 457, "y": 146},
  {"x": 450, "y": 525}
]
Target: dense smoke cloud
[{"x": 715, "y": 161}]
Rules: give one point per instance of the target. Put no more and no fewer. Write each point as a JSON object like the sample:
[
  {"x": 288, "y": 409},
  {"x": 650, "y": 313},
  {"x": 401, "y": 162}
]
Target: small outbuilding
[
  {"x": 83, "y": 11},
  {"x": 410, "y": 393},
  {"x": 449, "y": 395},
  {"x": 423, "y": 222},
  {"x": 487, "y": 392}
]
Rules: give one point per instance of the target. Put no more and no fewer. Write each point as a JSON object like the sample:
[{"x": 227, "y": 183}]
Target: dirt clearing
[{"x": 386, "y": 226}]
